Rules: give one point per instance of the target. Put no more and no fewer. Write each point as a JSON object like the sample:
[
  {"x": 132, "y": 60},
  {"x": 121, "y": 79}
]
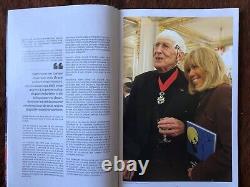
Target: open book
[{"x": 65, "y": 68}]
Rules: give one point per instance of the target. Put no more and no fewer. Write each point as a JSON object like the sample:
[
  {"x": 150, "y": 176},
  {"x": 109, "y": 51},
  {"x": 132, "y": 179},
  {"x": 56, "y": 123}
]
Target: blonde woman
[{"x": 207, "y": 78}]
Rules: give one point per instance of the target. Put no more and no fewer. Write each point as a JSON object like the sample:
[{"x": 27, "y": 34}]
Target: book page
[
  {"x": 143, "y": 52},
  {"x": 62, "y": 96}
]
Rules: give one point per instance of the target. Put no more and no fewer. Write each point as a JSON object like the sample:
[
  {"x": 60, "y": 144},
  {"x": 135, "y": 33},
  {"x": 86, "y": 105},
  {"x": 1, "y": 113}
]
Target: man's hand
[
  {"x": 127, "y": 175},
  {"x": 190, "y": 173},
  {"x": 171, "y": 127}
]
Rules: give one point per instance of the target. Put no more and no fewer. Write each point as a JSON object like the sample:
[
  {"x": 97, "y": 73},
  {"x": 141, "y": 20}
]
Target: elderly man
[{"x": 158, "y": 106}]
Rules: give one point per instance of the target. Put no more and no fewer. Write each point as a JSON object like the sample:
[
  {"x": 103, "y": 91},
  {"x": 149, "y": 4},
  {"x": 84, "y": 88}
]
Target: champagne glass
[{"x": 164, "y": 138}]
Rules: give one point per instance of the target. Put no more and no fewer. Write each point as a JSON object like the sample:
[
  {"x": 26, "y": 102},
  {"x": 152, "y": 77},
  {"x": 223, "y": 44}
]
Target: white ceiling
[
  {"x": 212, "y": 31},
  {"x": 212, "y": 28}
]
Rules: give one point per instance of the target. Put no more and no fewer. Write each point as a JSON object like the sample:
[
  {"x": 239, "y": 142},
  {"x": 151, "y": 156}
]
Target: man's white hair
[{"x": 174, "y": 37}]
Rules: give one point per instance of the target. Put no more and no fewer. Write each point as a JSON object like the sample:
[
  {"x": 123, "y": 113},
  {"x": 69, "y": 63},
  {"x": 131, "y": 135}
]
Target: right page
[{"x": 179, "y": 66}]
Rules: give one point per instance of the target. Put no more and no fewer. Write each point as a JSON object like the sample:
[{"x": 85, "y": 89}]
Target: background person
[{"x": 126, "y": 92}]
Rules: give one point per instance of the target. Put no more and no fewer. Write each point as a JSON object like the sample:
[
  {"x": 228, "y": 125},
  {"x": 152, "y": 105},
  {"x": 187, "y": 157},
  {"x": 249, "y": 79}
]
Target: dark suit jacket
[{"x": 141, "y": 116}]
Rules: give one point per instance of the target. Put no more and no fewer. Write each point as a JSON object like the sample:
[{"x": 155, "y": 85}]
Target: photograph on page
[{"x": 180, "y": 98}]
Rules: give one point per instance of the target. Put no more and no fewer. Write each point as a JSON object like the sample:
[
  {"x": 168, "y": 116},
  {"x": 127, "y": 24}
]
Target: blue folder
[{"x": 201, "y": 141}]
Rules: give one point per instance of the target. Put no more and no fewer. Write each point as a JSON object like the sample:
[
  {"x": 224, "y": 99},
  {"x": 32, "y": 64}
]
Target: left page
[{"x": 62, "y": 67}]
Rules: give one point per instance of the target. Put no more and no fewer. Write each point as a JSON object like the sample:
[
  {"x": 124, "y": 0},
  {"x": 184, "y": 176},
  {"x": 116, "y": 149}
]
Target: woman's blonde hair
[{"x": 212, "y": 65}]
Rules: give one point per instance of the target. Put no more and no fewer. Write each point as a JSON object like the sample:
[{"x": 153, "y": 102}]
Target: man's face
[{"x": 165, "y": 55}]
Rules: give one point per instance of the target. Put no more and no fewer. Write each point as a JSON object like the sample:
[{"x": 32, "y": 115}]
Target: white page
[
  {"x": 62, "y": 96},
  {"x": 234, "y": 13}
]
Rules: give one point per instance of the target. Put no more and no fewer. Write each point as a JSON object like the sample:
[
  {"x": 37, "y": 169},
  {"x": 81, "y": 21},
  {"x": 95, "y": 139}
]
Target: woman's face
[{"x": 196, "y": 76}]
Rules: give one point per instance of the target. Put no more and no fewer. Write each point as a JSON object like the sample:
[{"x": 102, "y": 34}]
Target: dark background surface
[{"x": 244, "y": 69}]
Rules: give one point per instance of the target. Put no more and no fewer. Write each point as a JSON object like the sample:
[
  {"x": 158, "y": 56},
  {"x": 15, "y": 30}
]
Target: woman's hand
[{"x": 190, "y": 173}]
